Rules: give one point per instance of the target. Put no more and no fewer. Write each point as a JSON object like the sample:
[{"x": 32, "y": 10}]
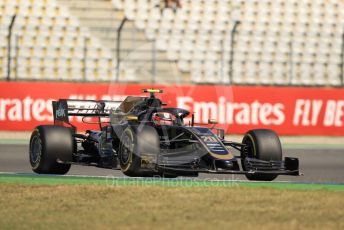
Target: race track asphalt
[{"x": 318, "y": 165}]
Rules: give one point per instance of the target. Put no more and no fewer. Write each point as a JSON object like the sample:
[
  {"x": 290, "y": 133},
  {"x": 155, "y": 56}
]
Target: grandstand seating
[
  {"x": 277, "y": 42},
  {"x": 49, "y": 43}
]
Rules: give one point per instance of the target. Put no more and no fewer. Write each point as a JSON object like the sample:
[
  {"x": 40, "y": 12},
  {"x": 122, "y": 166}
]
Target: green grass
[
  {"x": 74, "y": 202},
  {"x": 33, "y": 206},
  {"x": 124, "y": 181}
]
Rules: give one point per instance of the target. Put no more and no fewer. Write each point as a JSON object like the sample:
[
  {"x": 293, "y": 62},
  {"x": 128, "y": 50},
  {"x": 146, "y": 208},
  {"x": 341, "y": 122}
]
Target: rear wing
[{"x": 64, "y": 108}]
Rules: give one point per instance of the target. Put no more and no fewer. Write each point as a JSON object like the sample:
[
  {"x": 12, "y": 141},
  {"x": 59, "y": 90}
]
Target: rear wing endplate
[{"x": 64, "y": 108}]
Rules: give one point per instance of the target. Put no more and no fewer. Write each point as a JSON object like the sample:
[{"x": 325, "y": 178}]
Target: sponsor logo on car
[{"x": 60, "y": 112}]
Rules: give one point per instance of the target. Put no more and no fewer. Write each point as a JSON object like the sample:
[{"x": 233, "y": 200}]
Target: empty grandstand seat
[
  {"x": 275, "y": 41},
  {"x": 45, "y": 33}
]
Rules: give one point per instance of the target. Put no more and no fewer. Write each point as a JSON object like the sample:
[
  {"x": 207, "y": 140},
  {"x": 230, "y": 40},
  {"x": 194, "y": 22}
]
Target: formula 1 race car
[{"x": 142, "y": 137}]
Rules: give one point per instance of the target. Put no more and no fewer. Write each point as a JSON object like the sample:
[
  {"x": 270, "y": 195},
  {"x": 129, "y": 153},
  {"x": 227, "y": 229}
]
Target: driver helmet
[{"x": 163, "y": 118}]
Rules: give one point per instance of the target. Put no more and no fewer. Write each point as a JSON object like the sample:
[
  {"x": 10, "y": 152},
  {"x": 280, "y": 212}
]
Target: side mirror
[
  {"x": 212, "y": 121},
  {"x": 221, "y": 134}
]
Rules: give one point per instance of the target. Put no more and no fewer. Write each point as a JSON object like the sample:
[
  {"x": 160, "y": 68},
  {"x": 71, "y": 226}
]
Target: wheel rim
[
  {"x": 248, "y": 153},
  {"x": 249, "y": 144},
  {"x": 36, "y": 150},
  {"x": 126, "y": 150}
]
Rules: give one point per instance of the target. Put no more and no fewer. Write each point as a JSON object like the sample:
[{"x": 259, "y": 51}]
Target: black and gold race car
[{"x": 141, "y": 136}]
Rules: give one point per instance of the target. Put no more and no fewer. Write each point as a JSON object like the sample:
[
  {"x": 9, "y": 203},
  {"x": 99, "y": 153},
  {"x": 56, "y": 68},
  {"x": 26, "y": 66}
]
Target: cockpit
[{"x": 164, "y": 118}]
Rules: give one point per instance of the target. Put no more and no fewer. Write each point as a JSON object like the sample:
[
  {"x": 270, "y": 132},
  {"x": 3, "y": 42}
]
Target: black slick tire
[
  {"x": 49, "y": 143},
  {"x": 263, "y": 144}
]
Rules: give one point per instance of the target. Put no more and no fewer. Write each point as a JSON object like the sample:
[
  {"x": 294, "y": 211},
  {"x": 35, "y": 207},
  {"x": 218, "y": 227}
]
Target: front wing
[{"x": 290, "y": 166}]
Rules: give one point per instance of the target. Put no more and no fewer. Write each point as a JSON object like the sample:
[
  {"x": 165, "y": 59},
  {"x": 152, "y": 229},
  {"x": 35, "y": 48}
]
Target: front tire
[
  {"x": 129, "y": 161},
  {"x": 136, "y": 142},
  {"x": 263, "y": 144},
  {"x": 47, "y": 144}
]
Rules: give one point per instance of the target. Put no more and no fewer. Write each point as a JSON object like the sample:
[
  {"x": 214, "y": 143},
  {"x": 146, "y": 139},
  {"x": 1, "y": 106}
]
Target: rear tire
[
  {"x": 263, "y": 144},
  {"x": 48, "y": 143}
]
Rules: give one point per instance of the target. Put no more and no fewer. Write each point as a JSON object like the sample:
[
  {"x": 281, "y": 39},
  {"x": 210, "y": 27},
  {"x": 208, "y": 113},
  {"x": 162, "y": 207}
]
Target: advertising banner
[{"x": 287, "y": 110}]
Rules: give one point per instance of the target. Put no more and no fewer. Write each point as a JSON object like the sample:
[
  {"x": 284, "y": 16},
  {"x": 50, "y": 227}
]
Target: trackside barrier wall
[{"x": 288, "y": 110}]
